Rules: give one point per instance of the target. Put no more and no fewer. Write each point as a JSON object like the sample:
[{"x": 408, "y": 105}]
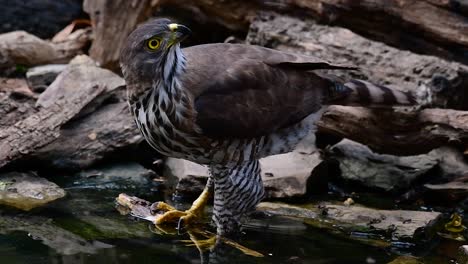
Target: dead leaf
[
  {"x": 63, "y": 34},
  {"x": 16, "y": 87}
]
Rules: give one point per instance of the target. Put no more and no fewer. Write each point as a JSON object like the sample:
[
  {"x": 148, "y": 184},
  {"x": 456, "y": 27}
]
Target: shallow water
[{"x": 86, "y": 228}]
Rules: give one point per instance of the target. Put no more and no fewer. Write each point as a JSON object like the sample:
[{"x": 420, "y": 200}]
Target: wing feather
[{"x": 244, "y": 91}]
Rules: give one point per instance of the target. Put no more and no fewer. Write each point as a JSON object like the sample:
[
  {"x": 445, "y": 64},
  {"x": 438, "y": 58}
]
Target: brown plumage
[{"x": 228, "y": 105}]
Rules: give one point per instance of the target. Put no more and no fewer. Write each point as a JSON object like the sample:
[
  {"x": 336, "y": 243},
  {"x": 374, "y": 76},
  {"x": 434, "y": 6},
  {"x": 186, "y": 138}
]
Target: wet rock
[
  {"x": 395, "y": 224},
  {"x": 40, "y": 77},
  {"x": 25, "y": 191},
  {"x": 123, "y": 175},
  {"x": 450, "y": 192},
  {"x": 390, "y": 173},
  {"x": 452, "y": 163},
  {"x": 462, "y": 257},
  {"x": 62, "y": 241},
  {"x": 406, "y": 260},
  {"x": 284, "y": 176}
]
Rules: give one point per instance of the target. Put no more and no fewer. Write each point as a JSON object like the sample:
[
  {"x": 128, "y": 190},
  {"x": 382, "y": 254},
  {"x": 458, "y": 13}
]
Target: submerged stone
[
  {"x": 394, "y": 224},
  {"x": 25, "y": 191}
]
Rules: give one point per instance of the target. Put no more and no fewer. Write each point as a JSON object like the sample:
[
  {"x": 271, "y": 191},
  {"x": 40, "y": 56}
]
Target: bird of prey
[{"x": 227, "y": 106}]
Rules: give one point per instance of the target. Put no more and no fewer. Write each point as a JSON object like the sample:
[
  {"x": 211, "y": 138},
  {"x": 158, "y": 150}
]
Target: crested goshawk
[{"x": 227, "y": 106}]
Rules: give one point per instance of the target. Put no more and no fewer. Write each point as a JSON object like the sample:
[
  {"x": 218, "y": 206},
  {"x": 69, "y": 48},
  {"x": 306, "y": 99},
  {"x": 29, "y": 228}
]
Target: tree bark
[
  {"x": 112, "y": 21},
  {"x": 400, "y": 131},
  {"x": 78, "y": 86}
]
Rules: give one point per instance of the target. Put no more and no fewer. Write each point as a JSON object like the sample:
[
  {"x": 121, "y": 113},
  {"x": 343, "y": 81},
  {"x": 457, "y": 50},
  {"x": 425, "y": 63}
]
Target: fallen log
[
  {"x": 406, "y": 24},
  {"x": 22, "y": 48},
  {"x": 70, "y": 97},
  {"x": 83, "y": 142},
  {"x": 397, "y": 131},
  {"x": 16, "y": 101}
]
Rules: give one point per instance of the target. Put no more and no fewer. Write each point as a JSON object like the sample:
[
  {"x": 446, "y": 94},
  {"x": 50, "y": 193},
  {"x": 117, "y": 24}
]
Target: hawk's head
[{"x": 151, "y": 49}]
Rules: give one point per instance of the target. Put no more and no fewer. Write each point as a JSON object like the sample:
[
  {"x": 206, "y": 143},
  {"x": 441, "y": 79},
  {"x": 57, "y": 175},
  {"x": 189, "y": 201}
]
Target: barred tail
[{"x": 363, "y": 93}]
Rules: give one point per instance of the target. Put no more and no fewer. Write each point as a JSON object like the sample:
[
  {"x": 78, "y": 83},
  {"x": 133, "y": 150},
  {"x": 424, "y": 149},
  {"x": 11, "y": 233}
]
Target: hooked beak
[{"x": 179, "y": 32}]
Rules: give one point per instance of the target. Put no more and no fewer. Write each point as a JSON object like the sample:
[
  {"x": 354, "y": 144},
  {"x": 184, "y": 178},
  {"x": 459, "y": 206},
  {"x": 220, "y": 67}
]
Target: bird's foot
[{"x": 166, "y": 214}]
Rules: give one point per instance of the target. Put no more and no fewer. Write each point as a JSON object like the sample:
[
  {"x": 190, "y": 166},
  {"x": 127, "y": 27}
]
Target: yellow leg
[{"x": 171, "y": 215}]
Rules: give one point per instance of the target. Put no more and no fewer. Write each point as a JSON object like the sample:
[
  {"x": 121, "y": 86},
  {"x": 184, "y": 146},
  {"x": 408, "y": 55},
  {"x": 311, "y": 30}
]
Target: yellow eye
[{"x": 153, "y": 43}]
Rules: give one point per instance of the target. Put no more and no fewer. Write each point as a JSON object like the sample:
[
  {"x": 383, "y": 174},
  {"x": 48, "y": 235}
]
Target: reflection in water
[{"x": 85, "y": 228}]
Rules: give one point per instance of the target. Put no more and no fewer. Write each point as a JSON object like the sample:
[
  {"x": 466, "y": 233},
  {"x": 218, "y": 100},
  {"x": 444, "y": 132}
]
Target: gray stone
[
  {"x": 40, "y": 77},
  {"x": 398, "y": 223},
  {"x": 284, "y": 176},
  {"x": 122, "y": 175},
  {"x": 390, "y": 173},
  {"x": 25, "y": 191},
  {"x": 452, "y": 163}
]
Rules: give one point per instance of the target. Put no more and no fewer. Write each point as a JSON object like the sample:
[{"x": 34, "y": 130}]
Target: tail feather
[{"x": 363, "y": 93}]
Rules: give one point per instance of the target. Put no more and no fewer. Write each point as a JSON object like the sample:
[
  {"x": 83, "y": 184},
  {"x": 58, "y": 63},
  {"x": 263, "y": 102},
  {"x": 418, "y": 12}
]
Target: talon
[
  {"x": 160, "y": 207},
  {"x": 181, "y": 220}
]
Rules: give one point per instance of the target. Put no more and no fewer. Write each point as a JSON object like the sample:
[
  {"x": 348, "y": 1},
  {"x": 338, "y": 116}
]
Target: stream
[{"x": 85, "y": 227}]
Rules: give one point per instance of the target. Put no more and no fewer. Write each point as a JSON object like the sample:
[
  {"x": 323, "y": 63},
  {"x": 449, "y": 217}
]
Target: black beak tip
[{"x": 185, "y": 31}]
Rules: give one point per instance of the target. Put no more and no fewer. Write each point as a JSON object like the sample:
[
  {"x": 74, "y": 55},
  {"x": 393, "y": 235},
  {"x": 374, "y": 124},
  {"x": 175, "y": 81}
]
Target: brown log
[
  {"x": 400, "y": 131},
  {"x": 16, "y": 101},
  {"x": 108, "y": 131},
  {"x": 112, "y": 21},
  {"x": 73, "y": 95},
  {"x": 22, "y": 48}
]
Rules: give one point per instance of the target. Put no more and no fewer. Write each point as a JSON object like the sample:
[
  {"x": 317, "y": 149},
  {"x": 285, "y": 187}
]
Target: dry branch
[{"x": 22, "y": 48}]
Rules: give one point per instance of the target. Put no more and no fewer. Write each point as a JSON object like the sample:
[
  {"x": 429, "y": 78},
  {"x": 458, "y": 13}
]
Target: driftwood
[
  {"x": 406, "y": 24},
  {"x": 16, "y": 101},
  {"x": 22, "y": 48},
  {"x": 107, "y": 132},
  {"x": 400, "y": 131},
  {"x": 70, "y": 98}
]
